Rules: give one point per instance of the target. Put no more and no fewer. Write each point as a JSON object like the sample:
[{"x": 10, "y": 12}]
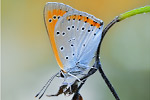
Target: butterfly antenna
[{"x": 46, "y": 85}]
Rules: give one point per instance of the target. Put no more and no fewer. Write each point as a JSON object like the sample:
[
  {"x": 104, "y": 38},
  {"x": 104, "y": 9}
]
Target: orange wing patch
[
  {"x": 85, "y": 19},
  {"x": 51, "y": 20}
]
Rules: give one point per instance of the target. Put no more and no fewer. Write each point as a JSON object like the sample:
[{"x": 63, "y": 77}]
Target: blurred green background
[{"x": 28, "y": 61}]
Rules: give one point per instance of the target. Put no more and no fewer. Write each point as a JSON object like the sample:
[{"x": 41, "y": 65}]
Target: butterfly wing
[
  {"x": 52, "y": 13},
  {"x": 77, "y": 35}
]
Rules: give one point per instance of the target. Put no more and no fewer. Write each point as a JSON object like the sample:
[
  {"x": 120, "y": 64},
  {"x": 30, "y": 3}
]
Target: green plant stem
[
  {"x": 133, "y": 12},
  {"x": 121, "y": 17}
]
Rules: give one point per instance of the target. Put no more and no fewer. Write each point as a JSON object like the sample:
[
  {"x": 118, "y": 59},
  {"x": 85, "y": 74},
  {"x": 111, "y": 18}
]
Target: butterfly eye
[
  {"x": 89, "y": 30},
  {"x": 61, "y": 75},
  {"x": 94, "y": 34}
]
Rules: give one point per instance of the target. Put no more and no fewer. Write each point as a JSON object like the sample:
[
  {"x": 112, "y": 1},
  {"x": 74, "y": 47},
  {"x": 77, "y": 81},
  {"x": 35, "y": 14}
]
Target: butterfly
[{"x": 74, "y": 36}]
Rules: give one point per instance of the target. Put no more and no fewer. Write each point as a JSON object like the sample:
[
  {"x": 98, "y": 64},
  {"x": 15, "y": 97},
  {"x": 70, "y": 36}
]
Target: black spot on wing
[
  {"x": 50, "y": 20},
  {"x": 57, "y": 33},
  {"x": 62, "y": 48},
  {"x": 66, "y": 57},
  {"x": 54, "y": 17}
]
